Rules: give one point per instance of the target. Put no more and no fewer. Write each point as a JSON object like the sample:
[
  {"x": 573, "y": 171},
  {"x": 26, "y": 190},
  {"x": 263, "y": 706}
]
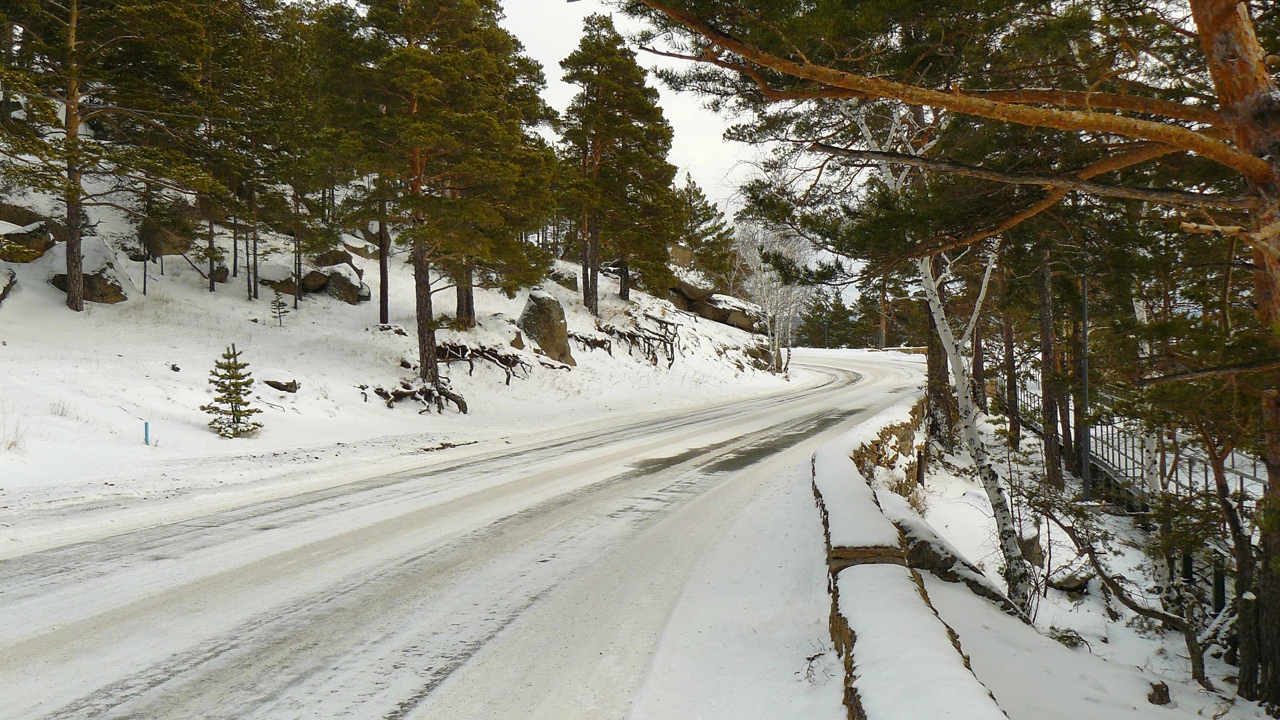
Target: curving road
[{"x": 527, "y": 580}]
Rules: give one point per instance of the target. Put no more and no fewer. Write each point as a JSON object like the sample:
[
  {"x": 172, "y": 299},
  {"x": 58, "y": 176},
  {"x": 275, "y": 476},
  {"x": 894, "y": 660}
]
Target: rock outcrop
[
  {"x": 24, "y": 243},
  {"x": 278, "y": 277},
  {"x": 543, "y": 321},
  {"x": 8, "y": 280},
  {"x": 344, "y": 284},
  {"x": 102, "y": 283}
]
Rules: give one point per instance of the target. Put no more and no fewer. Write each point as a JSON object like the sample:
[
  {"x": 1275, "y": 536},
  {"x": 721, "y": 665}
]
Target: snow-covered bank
[
  {"x": 900, "y": 660},
  {"x": 1107, "y": 659},
  {"x": 79, "y": 392}
]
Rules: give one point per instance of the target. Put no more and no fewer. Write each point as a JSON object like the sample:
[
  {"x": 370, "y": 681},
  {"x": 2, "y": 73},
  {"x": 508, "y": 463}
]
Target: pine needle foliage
[
  {"x": 232, "y": 382},
  {"x": 279, "y": 308}
]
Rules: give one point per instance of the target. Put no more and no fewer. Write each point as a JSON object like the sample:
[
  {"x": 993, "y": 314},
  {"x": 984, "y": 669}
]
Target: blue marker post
[{"x": 146, "y": 433}]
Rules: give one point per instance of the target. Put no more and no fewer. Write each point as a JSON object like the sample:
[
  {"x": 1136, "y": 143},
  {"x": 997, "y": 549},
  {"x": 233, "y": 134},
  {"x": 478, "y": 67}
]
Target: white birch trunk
[{"x": 1017, "y": 573}]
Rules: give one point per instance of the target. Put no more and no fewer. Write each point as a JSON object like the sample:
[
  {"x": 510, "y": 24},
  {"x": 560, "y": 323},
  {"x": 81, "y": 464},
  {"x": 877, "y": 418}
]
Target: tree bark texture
[
  {"x": 425, "y": 314},
  {"x": 940, "y": 423},
  {"x": 212, "y": 250},
  {"x": 74, "y": 193},
  {"x": 1248, "y": 100},
  {"x": 624, "y": 280},
  {"x": 384, "y": 268},
  {"x": 1017, "y": 571},
  {"x": 1048, "y": 393},
  {"x": 466, "y": 294}
]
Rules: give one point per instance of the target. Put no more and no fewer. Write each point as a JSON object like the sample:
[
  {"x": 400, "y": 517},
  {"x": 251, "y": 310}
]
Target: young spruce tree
[{"x": 231, "y": 381}]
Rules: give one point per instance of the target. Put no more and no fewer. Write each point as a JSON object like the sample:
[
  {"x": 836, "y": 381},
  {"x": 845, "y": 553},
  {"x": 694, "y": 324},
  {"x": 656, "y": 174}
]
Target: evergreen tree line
[{"x": 416, "y": 125}]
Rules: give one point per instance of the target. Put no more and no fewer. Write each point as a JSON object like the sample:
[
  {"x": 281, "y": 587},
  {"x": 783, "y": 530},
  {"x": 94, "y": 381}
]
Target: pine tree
[
  {"x": 455, "y": 140},
  {"x": 618, "y": 139},
  {"x": 231, "y": 381},
  {"x": 279, "y": 308},
  {"x": 89, "y": 73},
  {"x": 704, "y": 232}
]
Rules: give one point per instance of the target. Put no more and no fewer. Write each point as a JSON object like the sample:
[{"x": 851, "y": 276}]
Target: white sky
[{"x": 551, "y": 29}]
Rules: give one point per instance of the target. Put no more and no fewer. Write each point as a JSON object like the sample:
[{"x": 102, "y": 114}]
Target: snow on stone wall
[{"x": 902, "y": 662}]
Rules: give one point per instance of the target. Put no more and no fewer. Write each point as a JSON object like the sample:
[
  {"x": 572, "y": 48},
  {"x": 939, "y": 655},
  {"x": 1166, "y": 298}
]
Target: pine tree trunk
[
  {"x": 1245, "y": 88},
  {"x": 624, "y": 280},
  {"x": 1048, "y": 391},
  {"x": 427, "y": 368},
  {"x": 585, "y": 232},
  {"x": 297, "y": 252},
  {"x": 384, "y": 268},
  {"x": 1062, "y": 399},
  {"x": 882, "y": 331},
  {"x": 939, "y": 424},
  {"x": 1011, "y": 381},
  {"x": 1242, "y": 546},
  {"x": 253, "y": 210},
  {"x": 1079, "y": 424},
  {"x": 74, "y": 193},
  {"x": 235, "y": 248},
  {"x": 211, "y": 252},
  {"x": 466, "y": 291},
  {"x": 595, "y": 266}
]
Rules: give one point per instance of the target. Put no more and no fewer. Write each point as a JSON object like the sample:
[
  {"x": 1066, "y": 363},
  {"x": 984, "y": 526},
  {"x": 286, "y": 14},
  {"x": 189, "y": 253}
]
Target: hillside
[{"x": 76, "y": 389}]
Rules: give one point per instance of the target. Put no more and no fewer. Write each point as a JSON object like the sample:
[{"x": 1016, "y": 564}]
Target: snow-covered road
[{"x": 577, "y": 572}]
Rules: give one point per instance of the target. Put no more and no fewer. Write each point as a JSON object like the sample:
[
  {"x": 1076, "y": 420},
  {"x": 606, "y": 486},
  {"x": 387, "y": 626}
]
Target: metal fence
[{"x": 1136, "y": 462}]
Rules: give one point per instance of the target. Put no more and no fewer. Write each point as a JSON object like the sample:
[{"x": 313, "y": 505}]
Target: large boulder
[
  {"x": 566, "y": 280},
  {"x": 714, "y": 313},
  {"x": 344, "y": 284},
  {"x": 8, "y": 279},
  {"x": 366, "y": 250},
  {"x": 278, "y": 277},
  {"x": 730, "y": 311},
  {"x": 691, "y": 289},
  {"x": 330, "y": 258},
  {"x": 543, "y": 321},
  {"x": 102, "y": 283},
  {"x": 33, "y": 245},
  {"x": 314, "y": 281},
  {"x": 24, "y": 243}
]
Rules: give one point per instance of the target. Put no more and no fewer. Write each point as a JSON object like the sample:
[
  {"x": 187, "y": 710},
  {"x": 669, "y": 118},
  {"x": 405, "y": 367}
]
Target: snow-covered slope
[{"x": 77, "y": 390}]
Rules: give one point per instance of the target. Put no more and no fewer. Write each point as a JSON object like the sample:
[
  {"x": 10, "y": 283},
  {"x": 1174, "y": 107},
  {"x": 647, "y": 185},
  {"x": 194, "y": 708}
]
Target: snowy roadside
[
  {"x": 749, "y": 639},
  {"x": 79, "y": 394},
  {"x": 1117, "y": 658}
]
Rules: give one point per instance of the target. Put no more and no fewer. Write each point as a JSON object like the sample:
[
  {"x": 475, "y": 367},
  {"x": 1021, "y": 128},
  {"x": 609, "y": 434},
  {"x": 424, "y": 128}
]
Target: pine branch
[
  {"x": 1161, "y": 197},
  {"x": 1204, "y": 144},
  {"x": 1223, "y": 371}
]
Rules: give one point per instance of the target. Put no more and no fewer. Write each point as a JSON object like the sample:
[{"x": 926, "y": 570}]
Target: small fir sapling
[
  {"x": 279, "y": 308},
  {"x": 231, "y": 381}
]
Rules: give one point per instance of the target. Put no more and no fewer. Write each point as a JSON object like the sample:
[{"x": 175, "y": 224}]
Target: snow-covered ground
[
  {"x": 1035, "y": 677},
  {"x": 77, "y": 390},
  {"x": 661, "y": 565}
]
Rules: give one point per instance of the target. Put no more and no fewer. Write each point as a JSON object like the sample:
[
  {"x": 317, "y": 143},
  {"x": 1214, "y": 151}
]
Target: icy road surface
[{"x": 669, "y": 567}]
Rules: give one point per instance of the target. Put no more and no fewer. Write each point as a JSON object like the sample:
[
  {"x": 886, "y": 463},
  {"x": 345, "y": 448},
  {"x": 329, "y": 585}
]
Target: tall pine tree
[
  {"x": 618, "y": 139},
  {"x": 88, "y": 71},
  {"x": 459, "y": 101}
]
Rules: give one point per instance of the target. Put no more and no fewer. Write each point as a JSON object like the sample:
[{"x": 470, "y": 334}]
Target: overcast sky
[{"x": 551, "y": 29}]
